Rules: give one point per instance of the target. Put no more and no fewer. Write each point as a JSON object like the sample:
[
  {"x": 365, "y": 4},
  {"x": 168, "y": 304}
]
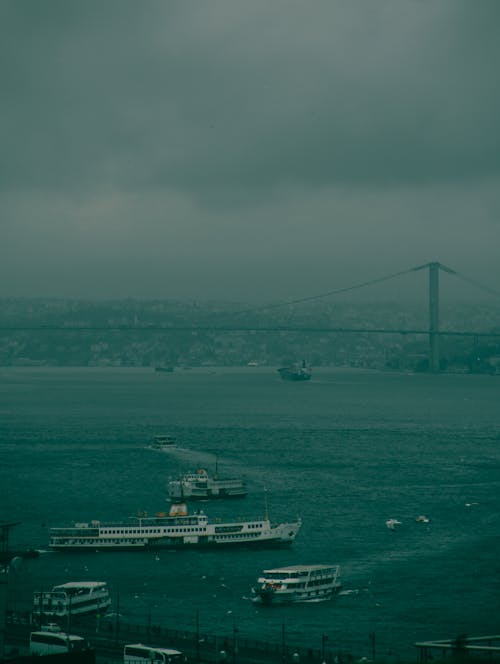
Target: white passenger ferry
[
  {"x": 202, "y": 486},
  {"x": 177, "y": 530},
  {"x": 72, "y": 599},
  {"x": 298, "y": 583}
]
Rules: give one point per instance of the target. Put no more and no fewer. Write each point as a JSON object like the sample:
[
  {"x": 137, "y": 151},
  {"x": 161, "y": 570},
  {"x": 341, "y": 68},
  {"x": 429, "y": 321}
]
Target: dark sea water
[{"x": 345, "y": 451}]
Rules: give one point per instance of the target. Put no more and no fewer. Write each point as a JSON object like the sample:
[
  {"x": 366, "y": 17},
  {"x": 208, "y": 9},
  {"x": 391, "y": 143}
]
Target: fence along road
[{"x": 200, "y": 648}]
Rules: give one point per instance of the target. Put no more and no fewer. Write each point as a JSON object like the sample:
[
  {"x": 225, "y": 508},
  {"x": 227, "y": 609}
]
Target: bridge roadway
[
  {"x": 199, "y": 648},
  {"x": 243, "y": 328}
]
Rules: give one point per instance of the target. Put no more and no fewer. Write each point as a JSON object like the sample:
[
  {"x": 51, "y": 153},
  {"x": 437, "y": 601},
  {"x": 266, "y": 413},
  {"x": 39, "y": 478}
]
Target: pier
[{"x": 460, "y": 648}]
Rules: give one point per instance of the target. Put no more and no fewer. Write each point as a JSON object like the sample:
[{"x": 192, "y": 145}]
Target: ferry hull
[
  {"x": 173, "y": 532},
  {"x": 250, "y": 544},
  {"x": 76, "y": 613},
  {"x": 208, "y": 494},
  {"x": 158, "y": 546},
  {"x": 202, "y": 486},
  {"x": 286, "y": 374},
  {"x": 295, "y": 372},
  {"x": 269, "y": 598}
]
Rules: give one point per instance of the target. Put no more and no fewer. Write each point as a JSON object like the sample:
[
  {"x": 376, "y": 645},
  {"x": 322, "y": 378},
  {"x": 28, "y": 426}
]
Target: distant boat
[
  {"x": 165, "y": 369},
  {"x": 202, "y": 486},
  {"x": 297, "y": 583},
  {"x": 164, "y": 442},
  {"x": 422, "y": 519},
  {"x": 295, "y": 372}
]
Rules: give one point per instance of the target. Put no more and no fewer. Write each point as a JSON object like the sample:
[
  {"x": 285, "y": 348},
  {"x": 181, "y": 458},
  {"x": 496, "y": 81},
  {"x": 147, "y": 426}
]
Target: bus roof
[
  {"x": 63, "y": 635},
  {"x": 80, "y": 584},
  {"x": 167, "y": 651}
]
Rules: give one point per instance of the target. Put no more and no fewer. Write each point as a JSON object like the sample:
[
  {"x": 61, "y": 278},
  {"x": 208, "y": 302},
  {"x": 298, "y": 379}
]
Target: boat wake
[{"x": 168, "y": 450}]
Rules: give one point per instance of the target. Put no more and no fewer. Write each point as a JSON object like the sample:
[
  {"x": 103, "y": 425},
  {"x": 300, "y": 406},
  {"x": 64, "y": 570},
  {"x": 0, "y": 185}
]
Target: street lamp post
[
  {"x": 117, "y": 617},
  {"x": 197, "y": 636},
  {"x": 4, "y": 589},
  {"x": 235, "y": 641},
  {"x": 218, "y": 655},
  {"x": 324, "y": 639},
  {"x": 69, "y": 616},
  {"x": 371, "y": 636}
]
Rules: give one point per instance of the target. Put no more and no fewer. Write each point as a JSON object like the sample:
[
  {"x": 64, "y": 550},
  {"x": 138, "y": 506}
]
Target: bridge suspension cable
[
  {"x": 459, "y": 275},
  {"x": 371, "y": 282},
  {"x": 337, "y": 291},
  {"x": 477, "y": 284}
]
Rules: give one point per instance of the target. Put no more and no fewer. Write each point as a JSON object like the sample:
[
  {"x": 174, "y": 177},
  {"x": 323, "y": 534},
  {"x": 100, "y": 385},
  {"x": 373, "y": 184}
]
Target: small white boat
[
  {"x": 164, "y": 442},
  {"x": 297, "y": 583},
  {"x": 72, "y": 599}
]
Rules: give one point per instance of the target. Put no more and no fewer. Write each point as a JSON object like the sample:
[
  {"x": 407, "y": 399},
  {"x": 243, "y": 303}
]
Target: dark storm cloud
[
  {"x": 198, "y": 95},
  {"x": 180, "y": 142}
]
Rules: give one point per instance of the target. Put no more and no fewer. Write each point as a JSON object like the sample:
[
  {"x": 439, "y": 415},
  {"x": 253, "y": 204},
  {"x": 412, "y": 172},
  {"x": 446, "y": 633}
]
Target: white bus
[
  {"x": 51, "y": 643},
  {"x": 137, "y": 653}
]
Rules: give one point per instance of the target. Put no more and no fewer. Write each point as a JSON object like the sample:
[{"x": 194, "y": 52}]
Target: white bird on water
[{"x": 392, "y": 523}]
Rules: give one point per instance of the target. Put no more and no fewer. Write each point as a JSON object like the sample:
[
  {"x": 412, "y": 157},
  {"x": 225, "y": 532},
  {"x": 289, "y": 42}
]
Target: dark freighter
[{"x": 295, "y": 372}]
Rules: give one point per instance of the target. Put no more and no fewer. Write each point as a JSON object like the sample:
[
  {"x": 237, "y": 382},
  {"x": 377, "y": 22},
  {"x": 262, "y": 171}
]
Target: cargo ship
[{"x": 295, "y": 372}]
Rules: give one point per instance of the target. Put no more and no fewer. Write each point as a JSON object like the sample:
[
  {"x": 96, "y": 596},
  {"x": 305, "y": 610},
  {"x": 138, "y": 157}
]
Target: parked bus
[
  {"x": 51, "y": 643},
  {"x": 137, "y": 653}
]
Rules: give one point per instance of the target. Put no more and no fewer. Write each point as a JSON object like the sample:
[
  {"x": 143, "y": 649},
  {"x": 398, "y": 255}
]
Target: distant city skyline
[{"x": 174, "y": 334}]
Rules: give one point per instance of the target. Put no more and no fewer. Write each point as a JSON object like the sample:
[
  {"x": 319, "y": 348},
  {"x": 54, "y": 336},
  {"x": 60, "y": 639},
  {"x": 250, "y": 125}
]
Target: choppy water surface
[{"x": 345, "y": 451}]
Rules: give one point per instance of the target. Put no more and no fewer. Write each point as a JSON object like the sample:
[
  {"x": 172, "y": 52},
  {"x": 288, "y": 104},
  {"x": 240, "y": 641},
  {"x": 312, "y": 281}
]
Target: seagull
[{"x": 392, "y": 523}]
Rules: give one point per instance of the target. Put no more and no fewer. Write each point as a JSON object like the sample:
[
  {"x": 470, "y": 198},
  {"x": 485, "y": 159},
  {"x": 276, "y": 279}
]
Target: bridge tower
[{"x": 434, "y": 364}]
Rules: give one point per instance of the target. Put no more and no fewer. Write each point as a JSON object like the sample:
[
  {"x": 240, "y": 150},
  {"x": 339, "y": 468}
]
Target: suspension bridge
[{"x": 433, "y": 331}]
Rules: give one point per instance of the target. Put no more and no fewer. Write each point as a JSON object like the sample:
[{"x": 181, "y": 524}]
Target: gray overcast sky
[{"x": 245, "y": 150}]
